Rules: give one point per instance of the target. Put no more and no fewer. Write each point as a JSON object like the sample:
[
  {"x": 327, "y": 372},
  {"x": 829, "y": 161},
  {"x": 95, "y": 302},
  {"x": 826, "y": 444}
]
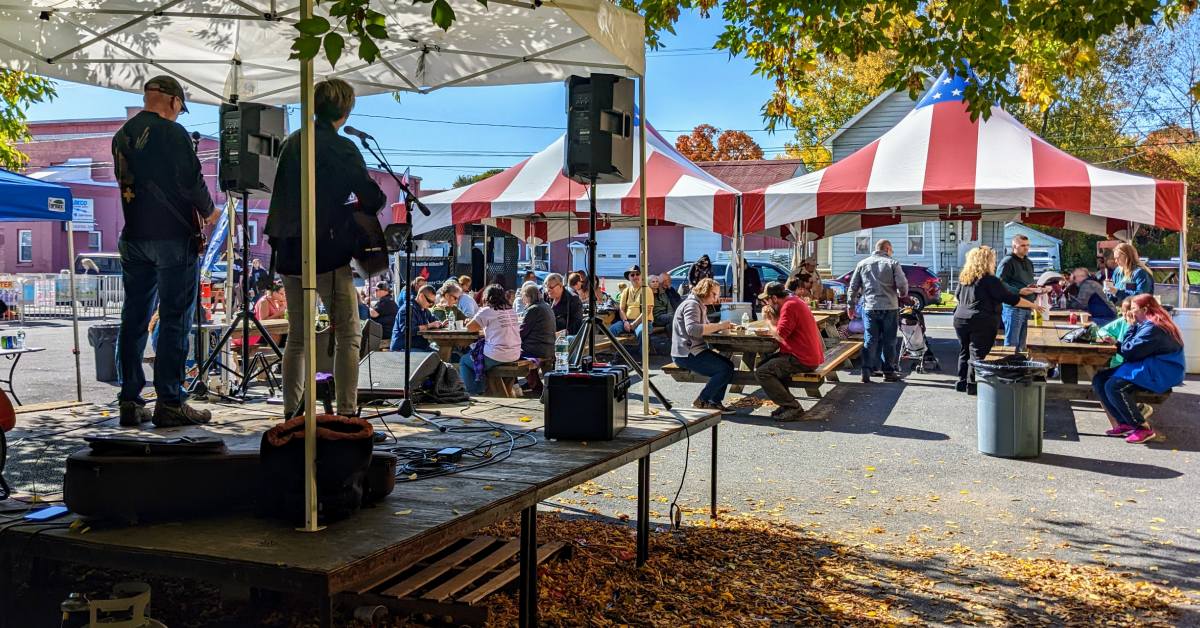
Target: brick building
[{"x": 78, "y": 154}]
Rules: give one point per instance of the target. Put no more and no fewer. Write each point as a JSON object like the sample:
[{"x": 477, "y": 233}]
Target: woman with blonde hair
[
  {"x": 1131, "y": 277},
  {"x": 689, "y": 350},
  {"x": 977, "y": 317}
]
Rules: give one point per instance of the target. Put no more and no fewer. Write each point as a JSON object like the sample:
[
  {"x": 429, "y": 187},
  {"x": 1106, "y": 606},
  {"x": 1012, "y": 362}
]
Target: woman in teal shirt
[{"x": 1130, "y": 278}]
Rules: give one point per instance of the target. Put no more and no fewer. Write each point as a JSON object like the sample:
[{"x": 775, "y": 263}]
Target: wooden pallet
[{"x": 452, "y": 583}]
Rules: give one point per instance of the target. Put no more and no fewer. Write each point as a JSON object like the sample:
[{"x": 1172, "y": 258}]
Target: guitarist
[
  {"x": 340, "y": 172},
  {"x": 165, "y": 202}
]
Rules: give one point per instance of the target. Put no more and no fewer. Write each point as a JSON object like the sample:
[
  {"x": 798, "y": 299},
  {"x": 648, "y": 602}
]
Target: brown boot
[{"x": 182, "y": 414}]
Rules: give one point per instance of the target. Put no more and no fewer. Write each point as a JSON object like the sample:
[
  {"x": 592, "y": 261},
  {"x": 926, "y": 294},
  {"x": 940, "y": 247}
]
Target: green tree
[
  {"x": 468, "y": 179},
  {"x": 18, "y": 90}
]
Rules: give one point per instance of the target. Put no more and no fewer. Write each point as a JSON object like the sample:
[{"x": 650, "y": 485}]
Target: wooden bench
[
  {"x": 811, "y": 382},
  {"x": 502, "y": 377}
]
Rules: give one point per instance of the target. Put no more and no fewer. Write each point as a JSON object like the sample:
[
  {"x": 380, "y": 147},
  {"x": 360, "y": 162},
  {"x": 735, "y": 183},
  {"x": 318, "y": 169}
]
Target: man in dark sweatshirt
[{"x": 1016, "y": 273}]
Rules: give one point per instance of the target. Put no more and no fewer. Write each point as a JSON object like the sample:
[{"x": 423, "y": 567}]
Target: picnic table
[
  {"x": 1044, "y": 342},
  {"x": 1065, "y": 315},
  {"x": 14, "y": 357},
  {"x": 449, "y": 340}
]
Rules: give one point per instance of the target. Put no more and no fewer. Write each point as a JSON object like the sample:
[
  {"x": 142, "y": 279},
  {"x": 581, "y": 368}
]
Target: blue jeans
[
  {"x": 166, "y": 271},
  {"x": 1016, "y": 323},
  {"x": 618, "y": 328},
  {"x": 879, "y": 338},
  {"x": 718, "y": 369},
  {"x": 1117, "y": 397},
  {"x": 466, "y": 370}
]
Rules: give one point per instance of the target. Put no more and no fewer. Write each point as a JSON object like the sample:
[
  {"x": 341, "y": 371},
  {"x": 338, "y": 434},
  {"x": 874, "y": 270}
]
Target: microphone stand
[{"x": 407, "y": 408}]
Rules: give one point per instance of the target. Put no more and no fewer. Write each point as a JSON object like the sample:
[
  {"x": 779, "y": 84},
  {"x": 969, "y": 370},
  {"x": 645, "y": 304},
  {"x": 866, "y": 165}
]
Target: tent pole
[
  {"x": 647, "y": 313},
  {"x": 1183, "y": 252},
  {"x": 74, "y": 308},
  {"x": 739, "y": 253},
  {"x": 308, "y": 279}
]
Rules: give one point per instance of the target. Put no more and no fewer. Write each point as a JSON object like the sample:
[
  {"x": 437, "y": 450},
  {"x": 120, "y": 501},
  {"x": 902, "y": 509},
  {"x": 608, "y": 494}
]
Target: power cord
[{"x": 676, "y": 513}]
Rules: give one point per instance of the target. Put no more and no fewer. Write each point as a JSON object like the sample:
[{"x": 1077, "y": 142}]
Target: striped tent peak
[
  {"x": 535, "y": 190},
  {"x": 938, "y": 157}
]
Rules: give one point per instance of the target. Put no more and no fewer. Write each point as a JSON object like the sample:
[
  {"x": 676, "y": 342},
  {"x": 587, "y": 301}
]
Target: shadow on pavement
[
  {"x": 850, "y": 409},
  {"x": 1108, "y": 467}
]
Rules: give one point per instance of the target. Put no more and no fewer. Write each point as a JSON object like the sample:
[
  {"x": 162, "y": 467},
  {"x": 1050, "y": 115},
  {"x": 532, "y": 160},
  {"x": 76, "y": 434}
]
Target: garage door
[
  {"x": 616, "y": 251},
  {"x": 697, "y": 242}
]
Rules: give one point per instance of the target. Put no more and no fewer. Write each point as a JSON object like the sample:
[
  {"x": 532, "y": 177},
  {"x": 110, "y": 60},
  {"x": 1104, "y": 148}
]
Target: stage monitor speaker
[
  {"x": 599, "y": 140},
  {"x": 251, "y": 135}
]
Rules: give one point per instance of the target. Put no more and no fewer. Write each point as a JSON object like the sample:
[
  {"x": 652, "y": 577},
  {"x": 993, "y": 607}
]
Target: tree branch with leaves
[{"x": 18, "y": 90}]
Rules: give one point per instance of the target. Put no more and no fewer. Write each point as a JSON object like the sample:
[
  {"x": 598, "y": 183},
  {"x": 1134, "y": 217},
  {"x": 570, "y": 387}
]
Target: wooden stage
[{"x": 362, "y": 552}]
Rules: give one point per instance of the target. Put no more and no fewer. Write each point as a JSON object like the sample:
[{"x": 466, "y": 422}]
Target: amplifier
[{"x": 587, "y": 405}]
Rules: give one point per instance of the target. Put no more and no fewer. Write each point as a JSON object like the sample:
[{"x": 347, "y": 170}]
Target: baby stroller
[{"x": 913, "y": 344}]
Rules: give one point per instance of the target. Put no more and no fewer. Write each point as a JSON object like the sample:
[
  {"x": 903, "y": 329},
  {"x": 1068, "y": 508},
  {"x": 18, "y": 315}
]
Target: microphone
[{"x": 361, "y": 135}]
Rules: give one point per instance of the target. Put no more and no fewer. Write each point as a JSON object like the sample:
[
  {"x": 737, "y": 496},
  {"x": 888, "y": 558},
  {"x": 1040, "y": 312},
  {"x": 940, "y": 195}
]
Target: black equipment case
[
  {"x": 587, "y": 405},
  {"x": 111, "y": 482}
]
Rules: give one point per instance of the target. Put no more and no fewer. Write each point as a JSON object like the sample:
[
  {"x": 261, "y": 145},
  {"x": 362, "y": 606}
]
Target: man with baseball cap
[
  {"x": 800, "y": 350},
  {"x": 166, "y": 205}
]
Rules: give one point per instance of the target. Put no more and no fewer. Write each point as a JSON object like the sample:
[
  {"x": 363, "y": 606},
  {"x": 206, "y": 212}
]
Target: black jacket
[
  {"x": 341, "y": 172},
  {"x": 982, "y": 300},
  {"x": 387, "y": 309},
  {"x": 568, "y": 314},
  {"x": 162, "y": 186},
  {"x": 537, "y": 332}
]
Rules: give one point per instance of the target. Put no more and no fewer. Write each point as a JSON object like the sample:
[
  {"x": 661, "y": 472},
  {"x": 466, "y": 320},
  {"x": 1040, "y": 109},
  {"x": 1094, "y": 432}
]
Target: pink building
[{"x": 78, "y": 154}]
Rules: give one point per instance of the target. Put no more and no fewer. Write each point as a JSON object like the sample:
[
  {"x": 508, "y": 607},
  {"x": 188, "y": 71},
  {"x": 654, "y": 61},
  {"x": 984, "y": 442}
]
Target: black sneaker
[
  {"x": 134, "y": 414},
  {"x": 182, "y": 414},
  {"x": 789, "y": 414},
  {"x": 866, "y": 376},
  {"x": 720, "y": 407},
  {"x": 891, "y": 376}
]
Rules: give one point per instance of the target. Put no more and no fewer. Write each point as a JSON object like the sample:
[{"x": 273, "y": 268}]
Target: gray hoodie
[{"x": 880, "y": 281}]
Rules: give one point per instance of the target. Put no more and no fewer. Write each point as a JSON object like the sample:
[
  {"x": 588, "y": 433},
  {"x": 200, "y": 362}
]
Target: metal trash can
[
  {"x": 1011, "y": 410},
  {"x": 103, "y": 339}
]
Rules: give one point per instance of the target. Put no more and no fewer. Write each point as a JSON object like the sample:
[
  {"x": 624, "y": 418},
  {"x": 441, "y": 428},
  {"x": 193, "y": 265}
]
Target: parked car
[
  {"x": 108, "y": 263},
  {"x": 1166, "y": 281},
  {"x": 923, "y": 285},
  {"x": 722, "y": 272},
  {"x": 1042, "y": 260}
]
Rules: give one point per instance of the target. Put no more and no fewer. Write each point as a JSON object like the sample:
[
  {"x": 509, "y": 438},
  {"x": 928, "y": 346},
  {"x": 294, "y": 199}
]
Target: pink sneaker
[
  {"x": 1140, "y": 435},
  {"x": 1119, "y": 430}
]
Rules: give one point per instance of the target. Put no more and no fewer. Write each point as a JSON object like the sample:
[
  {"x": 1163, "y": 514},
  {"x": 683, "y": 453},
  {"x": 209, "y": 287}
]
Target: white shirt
[
  {"x": 501, "y": 334},
  {"x": 467, "y": 305}
]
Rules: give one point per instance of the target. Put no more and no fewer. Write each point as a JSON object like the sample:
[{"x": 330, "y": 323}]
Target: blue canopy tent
[{"x": 24, "y": 199}]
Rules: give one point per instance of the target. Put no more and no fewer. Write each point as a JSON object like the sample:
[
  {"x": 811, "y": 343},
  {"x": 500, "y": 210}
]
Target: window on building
[
  {"x": 862, "y": 242},
  {"x": 252, "y": 228},
  {"x": 253, "y": 224},
  {"x": 95, "y": 240},
  {"x": 916, "y": 238},
  {"x": 24, "y": 245}
]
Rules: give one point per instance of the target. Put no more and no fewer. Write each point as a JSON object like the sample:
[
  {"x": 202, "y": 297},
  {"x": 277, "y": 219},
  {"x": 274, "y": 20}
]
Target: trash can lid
[{"x": 1015, "y": 365}]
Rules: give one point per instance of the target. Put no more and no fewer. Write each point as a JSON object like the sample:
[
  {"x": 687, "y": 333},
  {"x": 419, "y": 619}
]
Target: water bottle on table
[{"x": 561, "y": 347}]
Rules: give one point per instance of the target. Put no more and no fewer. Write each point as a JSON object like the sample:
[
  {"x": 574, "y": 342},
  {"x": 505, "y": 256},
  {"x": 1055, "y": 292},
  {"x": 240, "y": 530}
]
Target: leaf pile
[{"x": 743, "y": 570}]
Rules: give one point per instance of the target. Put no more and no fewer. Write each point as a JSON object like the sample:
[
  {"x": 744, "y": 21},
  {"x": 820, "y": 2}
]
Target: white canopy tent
[{"x": 222, "y": 49}]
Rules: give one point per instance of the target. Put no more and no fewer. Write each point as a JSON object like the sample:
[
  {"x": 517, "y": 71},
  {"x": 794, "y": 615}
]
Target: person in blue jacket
[
  {"x": 1130, "y": 276},
  {"x": 1153, "y": 360}
]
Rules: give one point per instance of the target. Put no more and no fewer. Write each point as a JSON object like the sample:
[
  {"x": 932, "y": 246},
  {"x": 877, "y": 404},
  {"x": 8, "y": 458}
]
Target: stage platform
[{"x": 361, "y": 552}]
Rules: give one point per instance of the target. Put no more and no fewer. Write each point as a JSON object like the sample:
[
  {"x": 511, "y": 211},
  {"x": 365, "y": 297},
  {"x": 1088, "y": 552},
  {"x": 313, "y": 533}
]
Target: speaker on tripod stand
[
  {"x": 250, "y": 138},
  {"x": 598, "y": 149}
]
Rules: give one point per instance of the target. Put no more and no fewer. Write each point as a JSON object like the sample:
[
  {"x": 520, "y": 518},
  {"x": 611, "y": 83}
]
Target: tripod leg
[
  {"x": 213, "y": 356},
  {"x": 633, "y": 364}
]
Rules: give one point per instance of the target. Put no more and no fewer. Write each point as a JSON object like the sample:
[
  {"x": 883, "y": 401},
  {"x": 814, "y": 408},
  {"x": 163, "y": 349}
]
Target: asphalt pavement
[{"x": 896, "y": 461}]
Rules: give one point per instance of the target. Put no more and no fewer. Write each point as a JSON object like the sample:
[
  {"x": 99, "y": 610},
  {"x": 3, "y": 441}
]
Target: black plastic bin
[
  {"x": 1011, "y": 408},
  {"x": 103, "y": 339}
]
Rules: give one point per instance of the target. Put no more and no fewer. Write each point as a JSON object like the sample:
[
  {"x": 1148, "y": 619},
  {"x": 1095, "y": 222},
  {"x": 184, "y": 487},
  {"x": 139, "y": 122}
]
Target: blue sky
[{"x": 687, "y": 84}]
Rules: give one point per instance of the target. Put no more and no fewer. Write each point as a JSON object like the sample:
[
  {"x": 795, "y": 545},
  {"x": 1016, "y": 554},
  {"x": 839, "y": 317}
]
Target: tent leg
[
  {"x": 74, "y": 309},
  {"x": 1183, "y": 257},
  {"x": 647, "y": 313},
  {"x": 308, "y": 279},
  {"x": 739, "y": 253}
]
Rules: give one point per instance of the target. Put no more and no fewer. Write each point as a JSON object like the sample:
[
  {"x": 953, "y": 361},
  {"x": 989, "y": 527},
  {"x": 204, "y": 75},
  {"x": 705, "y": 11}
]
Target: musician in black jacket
[
  {"x": 164, "y": 200},
  {"x": 340, "y": 172}
]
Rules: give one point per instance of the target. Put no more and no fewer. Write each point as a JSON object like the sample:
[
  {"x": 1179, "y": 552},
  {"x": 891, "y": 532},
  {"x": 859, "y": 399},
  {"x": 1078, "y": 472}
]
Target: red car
[{"x": 923, "y": 285}]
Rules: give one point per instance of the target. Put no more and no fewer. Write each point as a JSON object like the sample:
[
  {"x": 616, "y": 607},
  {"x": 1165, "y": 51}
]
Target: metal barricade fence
[{"x": 48, "y": 296}]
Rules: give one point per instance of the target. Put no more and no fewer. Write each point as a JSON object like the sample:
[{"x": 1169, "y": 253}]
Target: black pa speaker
[
  {"x": 251, "y": 135},
  {"x": 599, "y": 142}
]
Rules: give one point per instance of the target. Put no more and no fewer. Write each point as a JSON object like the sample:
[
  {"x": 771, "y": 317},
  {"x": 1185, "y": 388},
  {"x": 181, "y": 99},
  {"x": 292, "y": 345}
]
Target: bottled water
[
  {"x": 745, "y": 319},
  {"x": 20, "y": 338},
  {"x": 561, "y": 347},
  {"x": 450, "y": 319}
]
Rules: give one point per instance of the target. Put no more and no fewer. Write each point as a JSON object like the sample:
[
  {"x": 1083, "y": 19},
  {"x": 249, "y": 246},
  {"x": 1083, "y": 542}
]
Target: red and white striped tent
[
  {"x": 535, "y": 202},
  {"x": 937, "y": 163}
]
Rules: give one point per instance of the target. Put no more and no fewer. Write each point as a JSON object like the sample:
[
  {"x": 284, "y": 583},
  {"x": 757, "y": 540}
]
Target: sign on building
[{"x": 83, "y": 216}]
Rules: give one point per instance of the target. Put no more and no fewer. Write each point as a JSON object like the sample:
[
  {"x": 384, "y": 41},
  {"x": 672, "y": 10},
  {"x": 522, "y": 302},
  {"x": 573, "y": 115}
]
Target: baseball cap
[
  {"x": 383, "y": 285},
  {"x": 773, "y": 289},
  {"x": 167, "y": 85}
]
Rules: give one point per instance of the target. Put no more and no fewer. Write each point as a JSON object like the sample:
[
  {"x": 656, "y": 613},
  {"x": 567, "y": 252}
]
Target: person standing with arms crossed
[
  {"x": 164, "y": 200},
  {"x": 340, "y": 171},
  {"x": 879, "y": 280},
  {"x": 1016, "y": 273}
]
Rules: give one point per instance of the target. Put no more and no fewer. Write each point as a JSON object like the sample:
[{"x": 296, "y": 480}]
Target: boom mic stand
[
  {"x": 592, "y": 323},
  {"x": 245, "y": 316},
  {"x": 407, "y": 408}
]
